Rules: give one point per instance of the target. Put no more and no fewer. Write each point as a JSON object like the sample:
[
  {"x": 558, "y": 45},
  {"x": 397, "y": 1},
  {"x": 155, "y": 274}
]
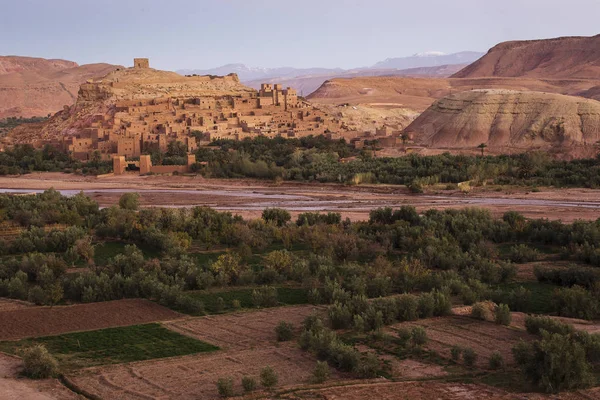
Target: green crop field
[{"x": 114, "y": 345}]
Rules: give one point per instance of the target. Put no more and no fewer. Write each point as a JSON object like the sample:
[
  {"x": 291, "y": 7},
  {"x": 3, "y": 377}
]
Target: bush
[
  {"x": 503, "y": 315},
  {"x": 225, "y": 387},
  {"x": 496, "y": 361},
  {"x": 39, "y": 363},
  {"x": 535, "y": 325},
  {"x": 129, "y": 201},
  {"x": 576, "y": 302},
  {"x": 268, "y": 377},
  {"x": 236, "y": 304},
  {"x": 469, "y": 356},
  {"x": 284, "y": 331},
  {"x": 220, "y": 305},
  {"x": 278, "y": 216},
  {"x": 555, "y": 363},
  {"x": 481, "y": 311},
  {"x": 265, "y": 296},
  {"x": 249, "y": 384},
  {"x": 455, "y": 353},
  {"x": 418, "y": 336},
  {"x": 367, "y": 367},
  {"x": 522, "y": 253},
  {"x": 404, "y": 336},
  {"x": 321, "y": 372}
]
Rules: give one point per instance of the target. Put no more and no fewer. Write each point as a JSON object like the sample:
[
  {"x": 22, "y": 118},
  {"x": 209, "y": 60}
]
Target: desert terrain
[{"x": 37, "y": 87}]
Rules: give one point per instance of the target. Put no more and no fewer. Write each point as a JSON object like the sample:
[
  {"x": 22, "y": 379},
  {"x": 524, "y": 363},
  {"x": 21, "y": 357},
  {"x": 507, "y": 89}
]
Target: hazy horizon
[{"x": 185, "y": 34}]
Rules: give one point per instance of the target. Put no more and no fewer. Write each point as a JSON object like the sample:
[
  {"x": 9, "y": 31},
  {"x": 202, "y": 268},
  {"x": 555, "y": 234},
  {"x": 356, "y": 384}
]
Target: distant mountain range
[
  {"x": 429, "y": 59},
  {"x": 246, "y": 73},
  {"x": 420, "y": 60},
  {"x": 307, "y": 80}
]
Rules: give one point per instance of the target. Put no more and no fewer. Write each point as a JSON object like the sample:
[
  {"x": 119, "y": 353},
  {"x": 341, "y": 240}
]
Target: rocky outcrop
[
  {"x": 565, "y": 57},
  {"x": 38, "y": 87},
  {"x": 509, "y": 119}
]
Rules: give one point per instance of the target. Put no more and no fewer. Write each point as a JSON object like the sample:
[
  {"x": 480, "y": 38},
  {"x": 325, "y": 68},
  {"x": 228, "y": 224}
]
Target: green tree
[
  {"x": 129, "y": 201},
  {"x": 482, "y": 147},
  {"x": 279, "y": 216},
  {"x": 555, "y": 363}
]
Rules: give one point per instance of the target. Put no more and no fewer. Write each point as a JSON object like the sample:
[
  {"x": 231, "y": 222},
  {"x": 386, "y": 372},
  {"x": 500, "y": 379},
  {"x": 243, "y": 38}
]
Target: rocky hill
[
  {"x": 510, "y": 120},
  {"x": 38, "y": 87},
  {"x": 98, "y": 97},
  {"x": 419, "y": 93},
  {"x": 565, "y": 57}
]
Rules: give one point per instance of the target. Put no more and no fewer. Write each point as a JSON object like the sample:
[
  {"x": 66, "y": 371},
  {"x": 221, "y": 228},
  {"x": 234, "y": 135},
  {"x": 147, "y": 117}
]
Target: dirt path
[{"x": 249, "y": 197}]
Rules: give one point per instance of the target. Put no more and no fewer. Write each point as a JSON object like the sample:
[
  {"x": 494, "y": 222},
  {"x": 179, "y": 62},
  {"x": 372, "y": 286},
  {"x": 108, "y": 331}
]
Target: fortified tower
[{"x": 141, "y": 63}]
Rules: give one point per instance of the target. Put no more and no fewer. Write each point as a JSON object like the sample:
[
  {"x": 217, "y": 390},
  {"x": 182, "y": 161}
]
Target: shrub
[
  {"x": 418, "y": 336},
  {"x": 278, "y": 216},
  {"x": 367, "y": 367},
  {"x": 236, "y": 304},
  {"x": 455, "y": 353},
  {"x": 225, "y": 387},
  {"x": 37, "y": 296},
  {"x": 249, "y": 384},
  {"x": 496, "y": 361},
  {"x": 535, "y": 325},
  {"x": 408, "y": 307},
  {"x": 268, "y": 377},
  {"x": 314, "y": 296},
  {"x": 522, "y": 253},
  {"x": 503, "y": 315},
  {"x": 576, "y": 302},
  {"x": 220, "y": 305},
  {"x": 284, "y": 331},
  {"x": 555, "y": 363},
  {"x": 443, "y": 304},
  {"x": 404, "y": 336},
  {"x": 265, "y": 296},
  {"x": 426, "y": 305},
  {"x": 321, "y": 372},
  {"x": 39, "y": 363},
  {"x": 129, "y": 201},
  {"x": 481, "y": 311},
  {"x": 469, "y": 356},
  {"x": 340, "y": 316}
]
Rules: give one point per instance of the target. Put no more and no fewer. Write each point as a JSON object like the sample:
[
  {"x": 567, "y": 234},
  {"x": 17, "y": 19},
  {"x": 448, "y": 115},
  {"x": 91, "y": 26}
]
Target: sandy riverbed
[{"x": 249, "y": 197}]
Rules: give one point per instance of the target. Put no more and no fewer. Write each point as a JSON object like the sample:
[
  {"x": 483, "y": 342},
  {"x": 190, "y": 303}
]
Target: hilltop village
[{"x": 136, "y": 110}]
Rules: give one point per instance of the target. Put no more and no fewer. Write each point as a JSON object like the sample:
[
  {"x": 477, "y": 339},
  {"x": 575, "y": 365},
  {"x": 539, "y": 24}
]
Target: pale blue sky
[{"x": 177, "y": 34}]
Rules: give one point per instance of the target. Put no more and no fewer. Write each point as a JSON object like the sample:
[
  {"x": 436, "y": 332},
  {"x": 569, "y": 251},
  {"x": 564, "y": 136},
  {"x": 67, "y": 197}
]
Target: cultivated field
[
  {"x": 483, "y": 337},
  {"x": 428, "y": 390},
  {"x": 248, "y": 342},
  {"x": 43, "y": 321}
]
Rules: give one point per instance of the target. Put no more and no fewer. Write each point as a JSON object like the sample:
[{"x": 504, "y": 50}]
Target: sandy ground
[
  {"x": 43, "y": 321},
  {"x": 12, "y": 387},
  {"x": 249, "y": 197},
  {"x": 247, "y": 342}
]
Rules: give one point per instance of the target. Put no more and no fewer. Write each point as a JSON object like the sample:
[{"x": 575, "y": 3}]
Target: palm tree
[
  {"x": 482, "y": 146},
  {"x": 404, "y": 138}
]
